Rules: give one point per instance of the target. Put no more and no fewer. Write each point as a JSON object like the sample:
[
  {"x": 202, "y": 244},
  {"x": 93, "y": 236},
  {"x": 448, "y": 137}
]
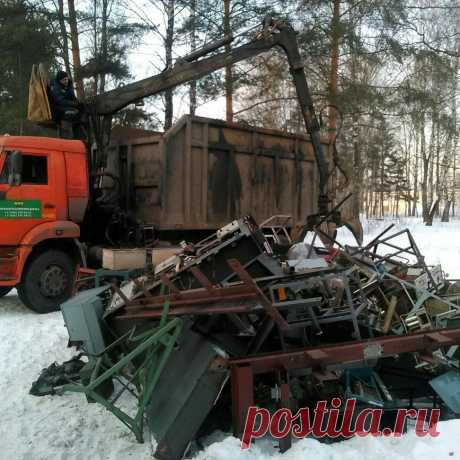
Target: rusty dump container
[{"x": 203, "y": 173}]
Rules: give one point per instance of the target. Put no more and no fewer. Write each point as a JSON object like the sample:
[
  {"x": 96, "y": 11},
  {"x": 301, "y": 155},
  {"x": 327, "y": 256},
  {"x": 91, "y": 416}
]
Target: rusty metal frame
[
  {"x": 243, "y": 370},
  {"x": 203, "y": 300},
  {"x": 370, "y": 251}
]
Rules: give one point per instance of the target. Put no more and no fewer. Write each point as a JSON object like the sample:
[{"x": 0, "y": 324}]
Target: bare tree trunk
[
  {"x": 96, "y": 47},
  {"x": 65, "y": 39},
  {"x": 333, "y": 82},
  {"x": 22, "y": 98},
  {"x": 415, "y": 177},
  {"x": 382, "y": 182},
  {"x": 454, "y": 175},
  {"x": 437, "y": 165},
  {"x": 192, "y": 90},
  {"x": 374, "y": 181},
  {"x": 228, "y": 69},
  {"x": 357, "y": 168},
  {"x": 431, "y": 156},
  {"x": 454, "y": 109},
  {"x": 407, "y": 172},
  {"x": 169, "y": 42},
  {"x": 446, "y": 212},
  {"x": 425, "y": 168},
  {"x": 104, "y": 43},
  {"x": 75, "y": 49}
]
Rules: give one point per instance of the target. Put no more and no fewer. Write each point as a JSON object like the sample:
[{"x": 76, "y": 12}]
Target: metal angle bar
[
  {"x": 394, "y": 246},
  {"x": 421, "y": 260},
  {"x": 310, "y": 249},
  {"x": 311, "y": 302},
  {"x": 173, "y": 324},
  {"x": 172, "y": 331},
  {"x": 394, "y": 235},
  {"x": 347, "y": 352},
  {"x": 181, "y": 311},
  {"x": 371, "y": 243},
  {"x": 203, "y": 280},
  {"x": 352, "y": 309},
  {"x": 285, "y": 443},
  {"x": 389, "y": 257},
  {"x": 262, "y": 333},
  {"x": 271, "y": 310},
  {"x": 198, "y": 294},
  {"x": 167, "y": 281},
  {"x": 332, "y": 240},
  {"x": 158, "y": 304},
  {"x": 407, "y": 249},
  {"x": 423, "y": 291},
  {"x": 242, "y": 380},
  {"x": 324, "y": 320},
  {"x": 334, "y": 209}
]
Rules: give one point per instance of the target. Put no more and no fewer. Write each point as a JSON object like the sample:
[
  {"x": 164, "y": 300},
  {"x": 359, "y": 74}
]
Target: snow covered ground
[
  {"x": 440, "y": 244},
  {"x": 66, "y": 427},
  {"x": 50, "y": 427}
]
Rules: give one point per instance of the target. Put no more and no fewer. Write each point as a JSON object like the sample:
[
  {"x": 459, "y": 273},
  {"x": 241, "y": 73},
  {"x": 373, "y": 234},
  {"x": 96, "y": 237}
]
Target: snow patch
[{"x": 407, "y": 447}]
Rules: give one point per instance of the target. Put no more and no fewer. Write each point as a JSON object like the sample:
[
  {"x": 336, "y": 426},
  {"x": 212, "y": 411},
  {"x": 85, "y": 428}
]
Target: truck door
[{"x": 27, "y": 205}]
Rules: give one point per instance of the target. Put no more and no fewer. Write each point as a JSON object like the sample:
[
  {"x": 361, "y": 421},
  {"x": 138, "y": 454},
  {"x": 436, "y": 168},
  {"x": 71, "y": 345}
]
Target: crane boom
[
  {"x": 190, "y": 68},
  {"x": 185, "y": 70}
]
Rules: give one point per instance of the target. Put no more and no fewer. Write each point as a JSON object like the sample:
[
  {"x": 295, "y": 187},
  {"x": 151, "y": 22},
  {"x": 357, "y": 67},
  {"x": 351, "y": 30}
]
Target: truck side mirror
[{"x": 14, "y": 160}]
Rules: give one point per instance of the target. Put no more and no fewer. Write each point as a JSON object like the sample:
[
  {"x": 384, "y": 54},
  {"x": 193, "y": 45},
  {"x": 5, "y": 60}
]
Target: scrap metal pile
[{"x": 246, "y": 317}]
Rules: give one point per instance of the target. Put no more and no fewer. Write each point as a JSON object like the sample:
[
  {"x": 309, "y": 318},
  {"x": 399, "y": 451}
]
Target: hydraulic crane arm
[
  {"x": 189, "y": 68},
  {"x": 288, "y": 42}
]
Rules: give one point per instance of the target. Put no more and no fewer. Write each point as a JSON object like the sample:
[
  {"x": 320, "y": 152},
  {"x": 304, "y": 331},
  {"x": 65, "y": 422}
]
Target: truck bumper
[{"x": 12, "y": 259}]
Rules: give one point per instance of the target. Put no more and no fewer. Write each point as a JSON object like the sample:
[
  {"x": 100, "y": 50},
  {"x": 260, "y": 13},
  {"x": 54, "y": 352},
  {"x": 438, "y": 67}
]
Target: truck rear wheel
[
  {"x": 47, "y": 281},
  {"x": 4, "y": 290}
]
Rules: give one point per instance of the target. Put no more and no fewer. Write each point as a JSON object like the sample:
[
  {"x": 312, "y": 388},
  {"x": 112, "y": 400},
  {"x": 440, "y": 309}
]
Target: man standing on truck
[{"x": 65, "y": 106}]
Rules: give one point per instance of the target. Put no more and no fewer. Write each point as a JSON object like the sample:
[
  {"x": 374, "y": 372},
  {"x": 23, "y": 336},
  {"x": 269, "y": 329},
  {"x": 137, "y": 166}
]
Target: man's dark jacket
[{"x": 62, "y": 98}]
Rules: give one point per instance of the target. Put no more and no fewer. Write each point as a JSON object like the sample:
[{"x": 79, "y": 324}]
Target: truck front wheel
[
  {"x": 47, "y": 281},
  {"x": 4, "y": 290}
]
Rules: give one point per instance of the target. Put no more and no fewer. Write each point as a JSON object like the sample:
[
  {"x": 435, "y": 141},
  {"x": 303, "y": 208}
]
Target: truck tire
[
  {"x": 4, "y": 290},
  {"x": 47, "y": 281}
]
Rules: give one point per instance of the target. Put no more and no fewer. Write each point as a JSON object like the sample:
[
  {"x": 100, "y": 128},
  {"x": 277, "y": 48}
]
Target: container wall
[
  {"x": 138, "y": 164},
  {"x": 215, "y": 173},
  {"x": 204, "y": 173}
]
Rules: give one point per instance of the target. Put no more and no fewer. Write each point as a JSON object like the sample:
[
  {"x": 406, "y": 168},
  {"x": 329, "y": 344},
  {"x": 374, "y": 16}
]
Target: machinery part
[
  {"x": 187, "y": 390},
  {"x": 321, "y": 358},
  {"x": 4, "y": 290},
  {"x": 47, "y": 280},
  {"x": 364, "y": 385},
  {"x": 134, "y": 361},
  {"x": 447, "y": 387},
  {"x": 82, "y": 316},
  {"x": 289, "y": 44},
  {"x": 138, "y": 371},
  {"x": 354, "y": 225}
]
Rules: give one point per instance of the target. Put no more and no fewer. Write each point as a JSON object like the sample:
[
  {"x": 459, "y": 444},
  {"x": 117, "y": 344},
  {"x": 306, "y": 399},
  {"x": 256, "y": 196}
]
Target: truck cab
[{"x": 43, "y": 199}]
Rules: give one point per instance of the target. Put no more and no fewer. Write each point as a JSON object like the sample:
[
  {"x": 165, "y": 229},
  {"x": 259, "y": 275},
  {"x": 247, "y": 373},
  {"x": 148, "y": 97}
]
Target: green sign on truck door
[{"x": 20, "y": 209}]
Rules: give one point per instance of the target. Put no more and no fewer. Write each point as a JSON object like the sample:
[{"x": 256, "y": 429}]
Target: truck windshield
[{"x": 4, "y": 172}]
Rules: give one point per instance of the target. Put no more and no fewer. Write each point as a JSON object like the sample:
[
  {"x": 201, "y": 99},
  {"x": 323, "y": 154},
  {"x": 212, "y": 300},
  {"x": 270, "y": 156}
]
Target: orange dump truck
[{"x": 195, "y": 178}]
